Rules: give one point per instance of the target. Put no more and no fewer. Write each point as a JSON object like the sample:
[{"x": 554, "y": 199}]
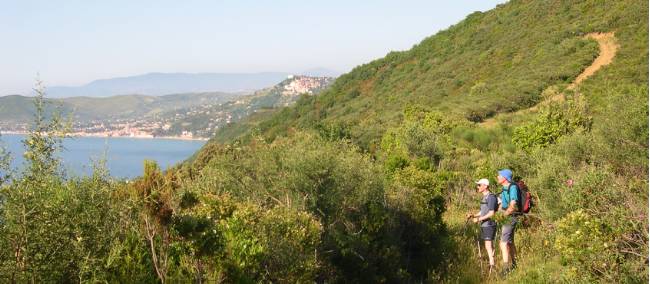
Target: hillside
[
  {"x": 140, "y": 105},
  {"x": 482, "y": 66},
  {"x": 17, "y": 111},
  {"x": 157, "y": 84},
  {"x": 525, "y": 86},
  {"x": 16, "y": 108},
  {"x": 607, "y": 51},
  {"x": 205, "y": 119}
]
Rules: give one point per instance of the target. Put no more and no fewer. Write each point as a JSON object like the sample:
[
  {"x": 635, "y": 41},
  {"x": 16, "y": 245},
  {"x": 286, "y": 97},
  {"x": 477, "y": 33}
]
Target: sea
[{"x": 124, "y": 156}]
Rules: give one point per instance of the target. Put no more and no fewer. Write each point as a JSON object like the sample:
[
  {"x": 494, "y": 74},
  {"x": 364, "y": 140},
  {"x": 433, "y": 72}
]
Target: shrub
[
  {"x": 553, "y": 122},
  {"x": 585, "y": 244}
]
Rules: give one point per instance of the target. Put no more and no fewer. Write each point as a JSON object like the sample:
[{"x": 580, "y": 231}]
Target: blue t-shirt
[{"x": 509, "y": 193}]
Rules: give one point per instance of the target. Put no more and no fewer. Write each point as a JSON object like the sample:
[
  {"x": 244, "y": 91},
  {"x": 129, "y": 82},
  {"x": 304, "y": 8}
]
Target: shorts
[
  {"x": 508, "y": 231},
  {"x": 488, "y": 233}
]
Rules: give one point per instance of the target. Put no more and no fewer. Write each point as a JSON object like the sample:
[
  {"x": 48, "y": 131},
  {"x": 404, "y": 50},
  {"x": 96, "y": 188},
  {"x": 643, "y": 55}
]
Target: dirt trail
[{"x": 608, "y": 48}]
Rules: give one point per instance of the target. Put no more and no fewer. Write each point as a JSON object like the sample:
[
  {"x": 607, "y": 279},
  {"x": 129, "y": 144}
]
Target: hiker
[
  {"x": 509, "y": 205},
  {"x": 484, "y": 217}
]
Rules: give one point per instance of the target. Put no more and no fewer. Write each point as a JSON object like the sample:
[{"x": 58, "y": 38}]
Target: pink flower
[{"x": 569, "y": 182}]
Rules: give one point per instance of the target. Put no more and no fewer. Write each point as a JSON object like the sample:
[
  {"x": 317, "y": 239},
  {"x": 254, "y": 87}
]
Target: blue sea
[{"x": 124, "y": 156}]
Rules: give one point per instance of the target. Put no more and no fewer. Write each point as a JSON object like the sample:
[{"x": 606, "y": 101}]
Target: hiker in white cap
[{"x": 484, "y": 217}]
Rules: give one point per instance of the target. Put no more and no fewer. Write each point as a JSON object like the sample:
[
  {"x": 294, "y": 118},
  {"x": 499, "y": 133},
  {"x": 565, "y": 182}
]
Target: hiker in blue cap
[{"x": 509, "y": 203}]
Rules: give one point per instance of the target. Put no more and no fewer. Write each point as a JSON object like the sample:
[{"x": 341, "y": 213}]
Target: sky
[{"x": 71, "y": 43}]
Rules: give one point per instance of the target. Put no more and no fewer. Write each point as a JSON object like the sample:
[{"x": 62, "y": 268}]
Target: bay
[{"x": 124, "y": 156}]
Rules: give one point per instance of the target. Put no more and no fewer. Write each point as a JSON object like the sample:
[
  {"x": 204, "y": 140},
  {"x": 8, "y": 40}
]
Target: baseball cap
[
  {"x": 483, "y": 181},
  {"x": 507, "y": 174}
]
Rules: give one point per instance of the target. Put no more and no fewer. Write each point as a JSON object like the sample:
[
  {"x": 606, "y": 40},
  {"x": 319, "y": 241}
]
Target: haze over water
[{"x": 125, "y": 156}]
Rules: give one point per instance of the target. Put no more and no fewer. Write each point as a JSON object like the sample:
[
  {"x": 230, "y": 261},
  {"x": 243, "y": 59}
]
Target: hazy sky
[{"x": 75, "y": 42}]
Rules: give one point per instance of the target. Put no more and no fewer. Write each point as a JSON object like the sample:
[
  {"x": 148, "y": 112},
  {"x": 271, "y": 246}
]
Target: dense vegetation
[{"x": 369, "y": 181}]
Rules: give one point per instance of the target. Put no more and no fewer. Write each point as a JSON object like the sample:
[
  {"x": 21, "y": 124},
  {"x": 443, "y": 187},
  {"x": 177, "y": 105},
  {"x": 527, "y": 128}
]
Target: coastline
[{"x": 111, "y": 136}]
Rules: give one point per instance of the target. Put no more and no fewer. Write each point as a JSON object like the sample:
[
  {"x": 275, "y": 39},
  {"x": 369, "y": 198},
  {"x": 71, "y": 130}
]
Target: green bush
[
  {"x": 585, "y": 244},
  {"x": 54, "y": 229},
  {"x": 553, "y": 122}
]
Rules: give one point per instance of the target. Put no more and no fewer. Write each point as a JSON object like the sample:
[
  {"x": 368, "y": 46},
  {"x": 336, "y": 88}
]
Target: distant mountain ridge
[{"x": 157, "y": 84}]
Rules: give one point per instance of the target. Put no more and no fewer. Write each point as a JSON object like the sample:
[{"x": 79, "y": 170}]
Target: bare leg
[
  {"x": 505, "y": 253},
  {"x": 490, "y": 251}
]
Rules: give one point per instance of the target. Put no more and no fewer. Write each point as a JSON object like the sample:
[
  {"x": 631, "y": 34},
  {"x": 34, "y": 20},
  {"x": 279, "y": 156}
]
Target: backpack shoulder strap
[
  {"x": 496, "y": 201},
  {"x": 508, "y": 190}
]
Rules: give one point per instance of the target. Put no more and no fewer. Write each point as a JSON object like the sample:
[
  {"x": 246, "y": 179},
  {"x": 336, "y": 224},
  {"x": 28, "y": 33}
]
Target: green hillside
[
  {"x": 19, "y": 109},
  {"x": 370, "y": 181},
  {"x": 420, "y": 111},
  {"x": 491, "y": 62},
  {"x": 141, "y": 106},
  {"x": 204, "y": 119},
  {"x": 16, "y": 108}
]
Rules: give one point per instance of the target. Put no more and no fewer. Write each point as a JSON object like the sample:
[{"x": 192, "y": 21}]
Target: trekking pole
[{"x": 480, "y": 255}]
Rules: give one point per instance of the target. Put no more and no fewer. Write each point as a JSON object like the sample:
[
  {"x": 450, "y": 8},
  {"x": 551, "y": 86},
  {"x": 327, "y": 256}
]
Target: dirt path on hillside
[{"x": 608, "y": 48}]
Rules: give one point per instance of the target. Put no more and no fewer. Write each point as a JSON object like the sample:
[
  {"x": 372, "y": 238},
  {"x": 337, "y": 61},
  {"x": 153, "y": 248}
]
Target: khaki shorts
[{"x": 508, "y": 231}]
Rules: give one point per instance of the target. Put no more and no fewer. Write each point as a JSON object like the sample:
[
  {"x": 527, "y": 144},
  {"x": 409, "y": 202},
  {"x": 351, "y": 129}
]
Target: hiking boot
[{"x": 505, "y": 271}]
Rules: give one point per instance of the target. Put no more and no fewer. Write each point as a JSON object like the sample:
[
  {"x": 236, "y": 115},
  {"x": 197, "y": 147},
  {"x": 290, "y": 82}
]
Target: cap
[
  {"x": 507, "y": 174},
  {"x": 483, "y": 181}
]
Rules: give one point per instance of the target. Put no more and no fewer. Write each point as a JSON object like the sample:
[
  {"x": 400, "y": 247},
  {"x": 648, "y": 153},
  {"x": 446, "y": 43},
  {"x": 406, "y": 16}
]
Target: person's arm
[
  {"x": 513, "y": 192},
  {"x": 511, "y": 207},
  {"x": 487, "y": 216},
  {"x": 470, "y": 215}
]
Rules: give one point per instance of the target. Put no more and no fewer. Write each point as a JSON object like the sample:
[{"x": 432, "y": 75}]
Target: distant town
[{"x": 198, "y": 122}]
